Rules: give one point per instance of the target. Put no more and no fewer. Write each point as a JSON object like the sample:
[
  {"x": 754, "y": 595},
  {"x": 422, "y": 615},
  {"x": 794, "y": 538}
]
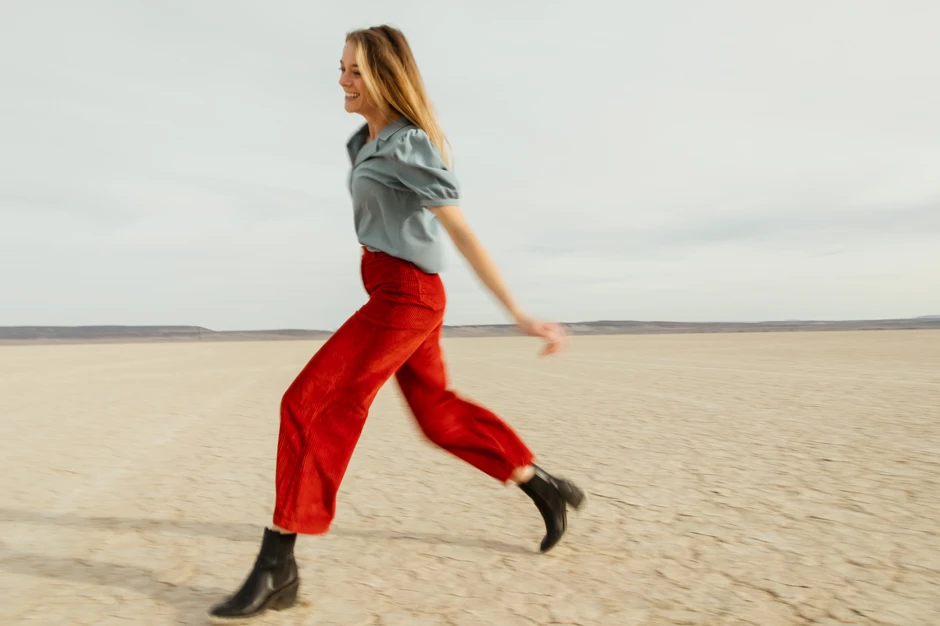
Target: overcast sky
[{"x": 183, "y": 162}]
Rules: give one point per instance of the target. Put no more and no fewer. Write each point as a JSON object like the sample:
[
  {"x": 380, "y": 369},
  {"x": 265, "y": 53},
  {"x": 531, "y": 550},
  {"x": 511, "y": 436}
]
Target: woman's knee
[
  {"x": 437, "y": 430},
  {"x": 290, "y": 401}
]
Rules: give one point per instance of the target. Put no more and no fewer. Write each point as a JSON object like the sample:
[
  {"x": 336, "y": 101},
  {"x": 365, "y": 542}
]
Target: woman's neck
[{"x": 377, "y": 122}]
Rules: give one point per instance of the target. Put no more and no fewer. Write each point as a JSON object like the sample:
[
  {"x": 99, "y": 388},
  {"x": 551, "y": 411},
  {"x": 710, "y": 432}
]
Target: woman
[{"x": 403, "y": 195}]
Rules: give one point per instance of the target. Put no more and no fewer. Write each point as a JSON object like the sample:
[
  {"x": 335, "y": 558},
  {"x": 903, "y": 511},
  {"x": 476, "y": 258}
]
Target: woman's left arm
[{"x": 467, "y": 243}]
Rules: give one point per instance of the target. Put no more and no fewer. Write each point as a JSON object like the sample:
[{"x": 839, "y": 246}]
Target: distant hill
[
  {"x": 121, "y": 334},
  {"x": 622, "y": 327},
  {"x": 146, "y": 333}
]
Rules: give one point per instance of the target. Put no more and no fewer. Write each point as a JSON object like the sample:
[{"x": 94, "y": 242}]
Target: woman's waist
[
  {"x": 427, "y": 260},
  {"x": 395, "y": 277}
]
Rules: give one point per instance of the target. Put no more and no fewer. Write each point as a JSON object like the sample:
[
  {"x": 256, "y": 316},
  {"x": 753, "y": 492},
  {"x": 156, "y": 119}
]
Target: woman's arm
[{"x": 469, "y": 246}]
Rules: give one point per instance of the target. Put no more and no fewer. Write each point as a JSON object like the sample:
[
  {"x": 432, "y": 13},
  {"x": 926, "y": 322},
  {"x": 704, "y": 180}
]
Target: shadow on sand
[
  {"x": 191, "y": 601},
  {"x": 241, "y": 532}
]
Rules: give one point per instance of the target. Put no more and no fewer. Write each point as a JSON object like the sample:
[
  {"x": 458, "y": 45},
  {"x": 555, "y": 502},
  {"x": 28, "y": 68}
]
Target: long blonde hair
[{"x": 391, "y": 76}]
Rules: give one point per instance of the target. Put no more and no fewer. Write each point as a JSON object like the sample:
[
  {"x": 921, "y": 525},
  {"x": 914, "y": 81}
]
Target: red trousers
[{"x": 323, "y": 411}]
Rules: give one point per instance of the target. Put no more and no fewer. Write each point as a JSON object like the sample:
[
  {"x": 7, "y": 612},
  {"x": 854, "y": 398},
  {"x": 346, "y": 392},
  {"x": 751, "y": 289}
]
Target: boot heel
[
  {"x": 572, "y": 495},
  {"x": 286, "y": 597}
]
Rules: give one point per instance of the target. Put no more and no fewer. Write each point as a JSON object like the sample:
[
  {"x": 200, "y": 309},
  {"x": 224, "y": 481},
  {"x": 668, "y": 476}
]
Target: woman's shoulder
[{"x": 413, "y": 145}]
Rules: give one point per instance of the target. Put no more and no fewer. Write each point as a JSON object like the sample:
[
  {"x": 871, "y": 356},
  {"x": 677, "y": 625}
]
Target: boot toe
[{"x": 550, "y": 541}]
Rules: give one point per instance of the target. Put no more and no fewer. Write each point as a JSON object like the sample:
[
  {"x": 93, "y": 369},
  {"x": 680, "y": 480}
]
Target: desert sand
[{"x": 767, "y": 479}]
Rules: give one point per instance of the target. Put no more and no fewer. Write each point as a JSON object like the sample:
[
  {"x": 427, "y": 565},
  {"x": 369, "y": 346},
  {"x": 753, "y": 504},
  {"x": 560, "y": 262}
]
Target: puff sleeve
[{"x": 417, "y": 165}]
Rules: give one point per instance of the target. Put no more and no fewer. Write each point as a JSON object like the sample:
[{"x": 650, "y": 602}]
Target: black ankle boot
[
  {"x": 551, "y": 495},
  {"x": 272, "y": 583}
]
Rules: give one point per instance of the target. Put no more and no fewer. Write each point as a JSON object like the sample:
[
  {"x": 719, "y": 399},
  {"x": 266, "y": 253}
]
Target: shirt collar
[
  {"x": 392, "y": 128},
  {"x": 360, "y": 139}
]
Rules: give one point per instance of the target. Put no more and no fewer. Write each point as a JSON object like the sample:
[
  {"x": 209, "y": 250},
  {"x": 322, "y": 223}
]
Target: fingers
[
  {"x": 555, "y": 335},
  {"x": 552, "y": 348}
]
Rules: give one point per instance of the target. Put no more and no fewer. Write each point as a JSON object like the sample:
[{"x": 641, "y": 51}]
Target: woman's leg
[
  {"x": 466, "y": 430},
  {"x": 479, "y": 437},
  {"x": 322, "y": 416},
  {"x": 323, "y": 413}
]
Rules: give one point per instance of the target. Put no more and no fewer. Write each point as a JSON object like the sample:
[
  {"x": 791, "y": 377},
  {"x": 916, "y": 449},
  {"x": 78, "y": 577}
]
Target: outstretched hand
[{"x": 551, "y": 332}]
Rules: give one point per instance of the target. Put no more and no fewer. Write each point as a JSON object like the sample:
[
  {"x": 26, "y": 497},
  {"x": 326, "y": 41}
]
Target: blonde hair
[{"x": 393, "y": 81}]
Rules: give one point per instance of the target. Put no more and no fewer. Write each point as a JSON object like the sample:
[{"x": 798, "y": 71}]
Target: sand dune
[{"x": 770, "y": 479}]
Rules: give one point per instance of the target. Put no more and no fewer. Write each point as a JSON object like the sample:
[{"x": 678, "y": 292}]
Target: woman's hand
[{"x": 551, "y": 332}]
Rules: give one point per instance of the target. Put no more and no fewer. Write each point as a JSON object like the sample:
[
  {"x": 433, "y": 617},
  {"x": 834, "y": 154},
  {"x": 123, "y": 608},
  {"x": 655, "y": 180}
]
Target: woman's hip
[{"x": 388, "y": 277}]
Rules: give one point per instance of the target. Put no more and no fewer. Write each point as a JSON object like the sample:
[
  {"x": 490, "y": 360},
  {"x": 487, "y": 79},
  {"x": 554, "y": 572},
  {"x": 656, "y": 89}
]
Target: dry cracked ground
[{"x": 766, "y": 479}]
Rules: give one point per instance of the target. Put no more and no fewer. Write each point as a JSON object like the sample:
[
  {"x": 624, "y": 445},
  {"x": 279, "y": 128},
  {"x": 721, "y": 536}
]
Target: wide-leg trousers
[{"x": 397, "y": 332}]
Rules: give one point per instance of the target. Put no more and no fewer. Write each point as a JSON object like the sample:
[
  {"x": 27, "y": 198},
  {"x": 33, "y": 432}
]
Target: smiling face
[{"x": 353, "y": 84}]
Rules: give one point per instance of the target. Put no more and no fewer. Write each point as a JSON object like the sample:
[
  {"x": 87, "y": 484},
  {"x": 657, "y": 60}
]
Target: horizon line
[{"x": 483, "y": 325}]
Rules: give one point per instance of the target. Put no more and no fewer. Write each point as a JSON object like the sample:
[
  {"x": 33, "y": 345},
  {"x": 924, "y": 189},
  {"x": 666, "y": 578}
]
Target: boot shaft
[{"x": 277, "y": 550}]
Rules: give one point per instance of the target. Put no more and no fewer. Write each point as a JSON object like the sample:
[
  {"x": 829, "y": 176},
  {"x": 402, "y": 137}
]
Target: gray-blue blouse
[{"x": 393, "y": 180}]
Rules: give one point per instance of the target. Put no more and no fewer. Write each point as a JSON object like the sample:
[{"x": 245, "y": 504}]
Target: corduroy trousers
[{"x": 397, "y": 332}]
